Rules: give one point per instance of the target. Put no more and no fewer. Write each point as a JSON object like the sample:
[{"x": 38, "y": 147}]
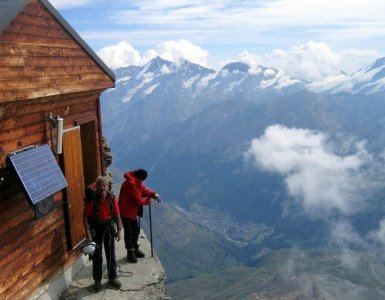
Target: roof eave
[{"x": 11, "y": 12}]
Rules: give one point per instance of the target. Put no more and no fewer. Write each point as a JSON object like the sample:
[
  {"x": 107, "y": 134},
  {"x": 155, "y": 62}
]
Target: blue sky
[{"x": 318, "y": 38}]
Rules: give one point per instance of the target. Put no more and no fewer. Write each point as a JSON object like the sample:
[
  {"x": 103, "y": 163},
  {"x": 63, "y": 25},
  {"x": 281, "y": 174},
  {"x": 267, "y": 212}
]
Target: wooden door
[
  {"x": 90, "y": 166},
  {"x": 73, "y": 170}
]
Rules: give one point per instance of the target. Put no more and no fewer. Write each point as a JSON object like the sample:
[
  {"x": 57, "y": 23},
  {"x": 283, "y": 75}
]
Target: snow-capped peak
[
  {"x": 379, "y": 63},
  {"x": 364, "y": 81}
]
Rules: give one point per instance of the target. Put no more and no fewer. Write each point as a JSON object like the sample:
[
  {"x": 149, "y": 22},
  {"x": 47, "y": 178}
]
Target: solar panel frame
[{"x": 38, "y": 172}]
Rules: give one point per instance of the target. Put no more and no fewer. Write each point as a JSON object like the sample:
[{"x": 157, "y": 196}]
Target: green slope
[{"x": 292, "y": 274}]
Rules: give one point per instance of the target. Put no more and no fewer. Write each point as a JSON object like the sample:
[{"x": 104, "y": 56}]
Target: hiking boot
[
  {"x": 139, "y": 254},
  {"x": 131, "y": 257},
  {"x": 98, "y": 285},
  {"x": 115, "y": 283}
]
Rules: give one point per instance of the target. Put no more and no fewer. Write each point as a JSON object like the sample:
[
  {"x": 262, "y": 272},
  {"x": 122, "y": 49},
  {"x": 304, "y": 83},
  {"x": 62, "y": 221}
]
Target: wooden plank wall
[
  {"x": 31, "y": 251},
  {"x": 24, "y": 124},
  {"x": 42, "y": 70},
  {"x": 38, "y": 58}
]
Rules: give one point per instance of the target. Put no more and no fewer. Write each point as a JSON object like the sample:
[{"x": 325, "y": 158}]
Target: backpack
[{"x": 90, "y": 192}]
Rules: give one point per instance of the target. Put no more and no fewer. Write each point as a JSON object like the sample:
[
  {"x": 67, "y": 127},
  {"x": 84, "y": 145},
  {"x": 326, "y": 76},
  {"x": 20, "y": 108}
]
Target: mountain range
[
  {"x": 192, "y": 127},
  {"x": 161, "y": 93}
]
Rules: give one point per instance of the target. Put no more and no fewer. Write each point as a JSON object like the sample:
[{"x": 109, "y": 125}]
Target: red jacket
[
  {"x": 133, "y": 194},
  {"x": 104, "y": 209}
]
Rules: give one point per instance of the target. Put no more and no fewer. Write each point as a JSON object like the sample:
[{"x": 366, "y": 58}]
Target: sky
[{"x": 316, "y": 38}]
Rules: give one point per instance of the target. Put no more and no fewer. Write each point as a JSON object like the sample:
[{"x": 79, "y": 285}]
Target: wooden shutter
[{"x": 73, "y": 170}]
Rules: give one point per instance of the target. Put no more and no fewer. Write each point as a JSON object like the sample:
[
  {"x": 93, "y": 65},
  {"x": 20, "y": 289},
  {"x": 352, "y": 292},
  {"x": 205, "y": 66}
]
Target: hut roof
[{"x": 10, "y": 8}]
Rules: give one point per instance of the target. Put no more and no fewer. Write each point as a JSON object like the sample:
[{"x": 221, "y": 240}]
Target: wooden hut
[{"x": 46, "y": 71}]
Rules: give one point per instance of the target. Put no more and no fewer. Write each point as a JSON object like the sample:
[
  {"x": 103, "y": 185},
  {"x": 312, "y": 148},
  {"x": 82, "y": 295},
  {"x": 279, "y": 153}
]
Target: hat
[
  {"x": 140, "y": 174},
  {"x": 88, "y": 248}
]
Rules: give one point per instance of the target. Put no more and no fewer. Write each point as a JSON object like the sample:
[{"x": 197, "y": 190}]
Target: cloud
[
  {"x": 120, "y": 55},
  {"x": 345, "y": 236},
  {"x": 378, "y": 235},
  {"x": 123, "y": 54},
  {"x": 309, "y": 61},
  {"x": 175, "y": 50},
  {"x": 267, "y": 14},
  {"x": 254, "y": 61},
  {"x": 333, "y": 19},
  {"x": 229, "y": 26},
  {"x": 316, "y": 176},
  {"x": 312, "y": 61}
]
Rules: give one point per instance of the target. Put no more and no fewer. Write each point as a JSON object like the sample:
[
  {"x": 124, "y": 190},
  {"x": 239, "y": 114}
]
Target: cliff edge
[{"x": 143, "y": 280}]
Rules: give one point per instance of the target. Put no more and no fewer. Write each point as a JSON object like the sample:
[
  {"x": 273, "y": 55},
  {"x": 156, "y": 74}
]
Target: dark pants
[
  {"x": 131, "y": 233},
  {"x": 103, "y": 235}
]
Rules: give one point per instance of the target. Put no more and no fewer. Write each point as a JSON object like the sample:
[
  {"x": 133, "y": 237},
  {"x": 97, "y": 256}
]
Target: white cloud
[
  {"x": 254, "y": 61},
  {"x": 378, "y": 235},
  {"x": 312, "y": 61},
  {"x": 176, "y": 50},
  {"x": 323, "y": 12},
  {"x": 315, "y": 175},
  {"x": 120, "y": 55},
  {"x": 123, "y": 54},
  {"x": 267, "y": 14},
  {"x": 322, "y": 18},
  {"x": 223, "y": 26},
  {"x": 345, "y": 236}
]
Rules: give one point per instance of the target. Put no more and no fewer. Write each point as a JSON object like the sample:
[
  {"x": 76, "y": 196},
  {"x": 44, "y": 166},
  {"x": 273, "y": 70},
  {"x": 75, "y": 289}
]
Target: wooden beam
[
  {"x": 19, "y": 28},
  {"x": 44, "y": 61},
  {"x": 8, "y": 72},
  {"x": 22, "y": 39},
  {"x": 9, "y": 96},
  {"x": 7, "y": 49},
  {"x": 53, "y": 81}
]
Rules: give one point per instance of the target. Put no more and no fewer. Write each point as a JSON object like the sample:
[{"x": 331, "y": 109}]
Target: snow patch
[
  {"x": 205, "y": 80},
  {"x": 148, "y": 77},
  {"x": 165, "y": 70},
  {"x": 337, "y": 83},
  {"x": 266, "y": 83},
  {"x": 188, "y": 83},
  {"x": 286, "y": 81},
  {"x": 224, "y": 73},
  {"x": 131, "y": 93},
  {"x": 269, "y": 73},
  {"x": 151, "y": 89},
  {"x": 127, "y": 78},
  {"x": 144, "y": 71},
  {"x": 234, "y": 84}
]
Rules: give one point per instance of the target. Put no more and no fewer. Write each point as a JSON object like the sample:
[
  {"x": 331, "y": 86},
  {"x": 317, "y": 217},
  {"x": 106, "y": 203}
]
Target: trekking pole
[{"x": 152, "y": 249}]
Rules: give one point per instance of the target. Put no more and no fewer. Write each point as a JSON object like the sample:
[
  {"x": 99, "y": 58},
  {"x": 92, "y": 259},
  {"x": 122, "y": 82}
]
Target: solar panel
[{"x": 38, "y": 172}]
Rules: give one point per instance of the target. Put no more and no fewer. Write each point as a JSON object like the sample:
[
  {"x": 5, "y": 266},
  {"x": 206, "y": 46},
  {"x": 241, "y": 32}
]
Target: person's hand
[
  {"x": 157, "y": 198},
  {"x": 118, "y": 235}
]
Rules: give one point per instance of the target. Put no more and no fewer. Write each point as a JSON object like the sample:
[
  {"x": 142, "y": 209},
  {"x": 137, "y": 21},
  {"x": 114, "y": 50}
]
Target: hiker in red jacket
[
  {"x": 100, "y": 216},
  {"x": 133, "y": 195}
]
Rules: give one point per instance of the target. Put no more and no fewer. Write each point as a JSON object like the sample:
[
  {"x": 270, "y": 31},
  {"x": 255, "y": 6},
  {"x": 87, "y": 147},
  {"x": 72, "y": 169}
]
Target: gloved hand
[{"x": 158, "y": 198}]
